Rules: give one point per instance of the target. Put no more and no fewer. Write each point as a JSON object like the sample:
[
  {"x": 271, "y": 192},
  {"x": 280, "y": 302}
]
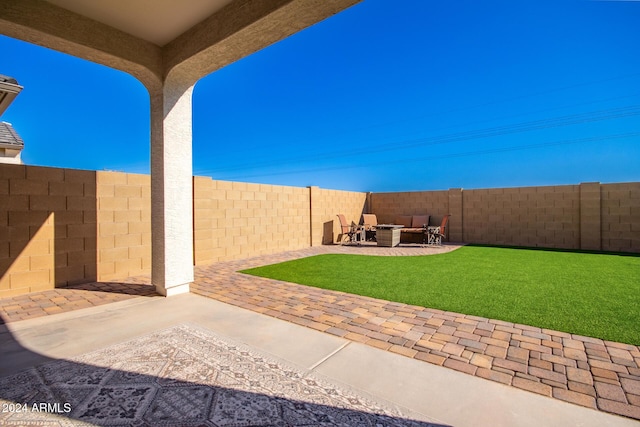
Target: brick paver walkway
[
  {"x": 586, "y": 371},
  {"x": 60, "y": 300}
]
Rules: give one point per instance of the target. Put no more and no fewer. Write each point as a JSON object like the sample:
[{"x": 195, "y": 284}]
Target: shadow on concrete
[{"x": 39, "y": 390}]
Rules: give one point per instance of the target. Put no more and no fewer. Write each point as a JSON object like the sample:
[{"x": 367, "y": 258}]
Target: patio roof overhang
[
  {"x": 168, "y": 45},
  {"x": 150, "y": 38}
]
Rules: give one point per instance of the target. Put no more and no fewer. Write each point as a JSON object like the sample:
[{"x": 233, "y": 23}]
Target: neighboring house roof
[
  {"x": 9, "y": 138},
  {"x": 9, "y": 89},
  {"x": 8, "y": 79}
]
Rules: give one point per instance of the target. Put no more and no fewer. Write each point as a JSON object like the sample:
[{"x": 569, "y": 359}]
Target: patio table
[{"x": 388, "y": 234}]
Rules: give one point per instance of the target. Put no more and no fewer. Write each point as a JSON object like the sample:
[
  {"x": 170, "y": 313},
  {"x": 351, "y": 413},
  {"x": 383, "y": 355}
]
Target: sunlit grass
[{"x": 596, "y": 295}]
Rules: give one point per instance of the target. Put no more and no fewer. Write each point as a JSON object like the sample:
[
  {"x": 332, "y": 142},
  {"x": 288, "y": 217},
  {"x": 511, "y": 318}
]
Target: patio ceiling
[
  {"x": 151, "y": 38},
  {"x": 156, "y": 21}
]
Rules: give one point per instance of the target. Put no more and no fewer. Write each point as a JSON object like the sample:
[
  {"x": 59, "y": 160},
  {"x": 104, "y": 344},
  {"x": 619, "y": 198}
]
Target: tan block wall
[
  {"x": 527, "y": 216},
  {"x": 123, "y": 224},
  {"x": 590, "y": 216},
  {"x": 620, "y": 216},
  {"x": 388, "y": 206},
  {"x": 325, "y": 207},
  {"x": 64, "y": 226},
  {"x": 234, "y": 220},
  {"x": 47, "y": 228}
]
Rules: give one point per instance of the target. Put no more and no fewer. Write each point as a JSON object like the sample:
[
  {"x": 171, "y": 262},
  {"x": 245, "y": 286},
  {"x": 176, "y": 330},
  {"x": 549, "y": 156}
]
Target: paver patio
[{"x": 586, "y": 371}]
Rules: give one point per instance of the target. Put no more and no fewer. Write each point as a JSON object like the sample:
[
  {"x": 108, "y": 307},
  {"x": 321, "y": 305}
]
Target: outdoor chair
[
  {"x": 370, "y": 221},
  {"x": 435, "y": 234},
  {"x": 351, "y": 232}
]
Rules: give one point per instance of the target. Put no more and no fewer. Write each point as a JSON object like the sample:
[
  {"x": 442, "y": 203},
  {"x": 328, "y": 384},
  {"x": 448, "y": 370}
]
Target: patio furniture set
[{"x": 405, "y": 229}]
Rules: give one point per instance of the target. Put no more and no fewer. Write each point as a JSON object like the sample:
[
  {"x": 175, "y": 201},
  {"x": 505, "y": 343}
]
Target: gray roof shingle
[
  {"x": 9, "y": 137},
  {"x": 8, "y": 79}
]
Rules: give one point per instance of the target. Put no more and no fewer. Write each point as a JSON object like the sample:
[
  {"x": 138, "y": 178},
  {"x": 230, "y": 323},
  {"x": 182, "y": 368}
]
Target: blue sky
[{"x": 386, "y": 96}]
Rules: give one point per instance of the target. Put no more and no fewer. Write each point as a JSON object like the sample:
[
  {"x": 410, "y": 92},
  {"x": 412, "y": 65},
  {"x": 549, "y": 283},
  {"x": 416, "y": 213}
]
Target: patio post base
[{"x": 173, "y": 290}]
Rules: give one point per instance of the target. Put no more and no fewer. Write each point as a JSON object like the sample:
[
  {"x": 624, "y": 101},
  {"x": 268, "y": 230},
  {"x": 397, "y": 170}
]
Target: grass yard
[{"x": 596, "y": 295}]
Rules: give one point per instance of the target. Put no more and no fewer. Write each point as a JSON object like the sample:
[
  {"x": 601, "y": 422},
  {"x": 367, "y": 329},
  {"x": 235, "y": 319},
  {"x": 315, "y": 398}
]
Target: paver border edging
[{"x": 591, "y": 372}]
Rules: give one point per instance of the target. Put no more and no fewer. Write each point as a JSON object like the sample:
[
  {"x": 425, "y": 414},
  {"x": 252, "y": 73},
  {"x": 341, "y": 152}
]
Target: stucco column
[{"x": 171, "y": 187}]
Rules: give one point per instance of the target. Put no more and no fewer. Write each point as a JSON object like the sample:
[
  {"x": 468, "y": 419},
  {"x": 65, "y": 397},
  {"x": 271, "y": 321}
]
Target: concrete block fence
[
  {"x": 589, "y": 216},
  {"x": 65, "y": 226}
]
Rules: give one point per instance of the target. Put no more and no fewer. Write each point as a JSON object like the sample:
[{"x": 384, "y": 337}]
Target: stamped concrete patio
[{"x": 433, "y": 365}]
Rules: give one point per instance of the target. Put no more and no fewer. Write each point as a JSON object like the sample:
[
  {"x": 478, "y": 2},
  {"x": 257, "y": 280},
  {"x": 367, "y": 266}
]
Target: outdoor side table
[{"x": 388, "y": 235}]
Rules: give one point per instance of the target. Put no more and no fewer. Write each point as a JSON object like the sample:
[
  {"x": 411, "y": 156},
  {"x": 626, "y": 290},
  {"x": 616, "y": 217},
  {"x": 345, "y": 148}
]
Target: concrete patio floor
[{"x": 418, "y": 366}]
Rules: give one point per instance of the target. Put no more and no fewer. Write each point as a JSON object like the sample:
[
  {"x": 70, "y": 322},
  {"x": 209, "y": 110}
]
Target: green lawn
[{"x": 596, "y": 295}]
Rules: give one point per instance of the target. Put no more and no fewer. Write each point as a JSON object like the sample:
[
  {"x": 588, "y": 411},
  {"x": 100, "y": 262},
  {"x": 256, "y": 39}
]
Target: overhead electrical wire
[
  {"x": 492, "y": 102},
  {"x": 589, "y": 117},
  {"x": 443, "y": 156}
]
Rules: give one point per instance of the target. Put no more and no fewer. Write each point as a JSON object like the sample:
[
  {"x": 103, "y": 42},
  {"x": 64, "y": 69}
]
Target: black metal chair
[{"x": 435, "y": 234}]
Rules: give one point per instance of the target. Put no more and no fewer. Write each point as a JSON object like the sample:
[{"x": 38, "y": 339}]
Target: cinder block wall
[
  {"x": 589, "y": 216},
  {"x": 325, "y": 207},
  {"x": 64, "y": 226},
  {"x": 235, "y": 220},
  {"x": 123, "y": 225},
  {"x": 620, "y": 216},
  {"x": 527, "y": 216},
  {"x": 47, "y": 228},
  {"x": 388, "y": 206}
]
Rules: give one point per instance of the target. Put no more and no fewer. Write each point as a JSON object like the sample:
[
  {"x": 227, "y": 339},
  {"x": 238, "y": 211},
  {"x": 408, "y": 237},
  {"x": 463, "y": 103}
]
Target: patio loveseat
[{"x": 413, "y": 227}]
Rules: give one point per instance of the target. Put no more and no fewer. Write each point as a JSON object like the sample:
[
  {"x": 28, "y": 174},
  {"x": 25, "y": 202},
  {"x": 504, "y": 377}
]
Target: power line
[
  {"x": 492, "y": 102},
  {"x": 457, "y": 125},
  {"x": 589, "y": 117},
  {"x": 446, "y": 156}
]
